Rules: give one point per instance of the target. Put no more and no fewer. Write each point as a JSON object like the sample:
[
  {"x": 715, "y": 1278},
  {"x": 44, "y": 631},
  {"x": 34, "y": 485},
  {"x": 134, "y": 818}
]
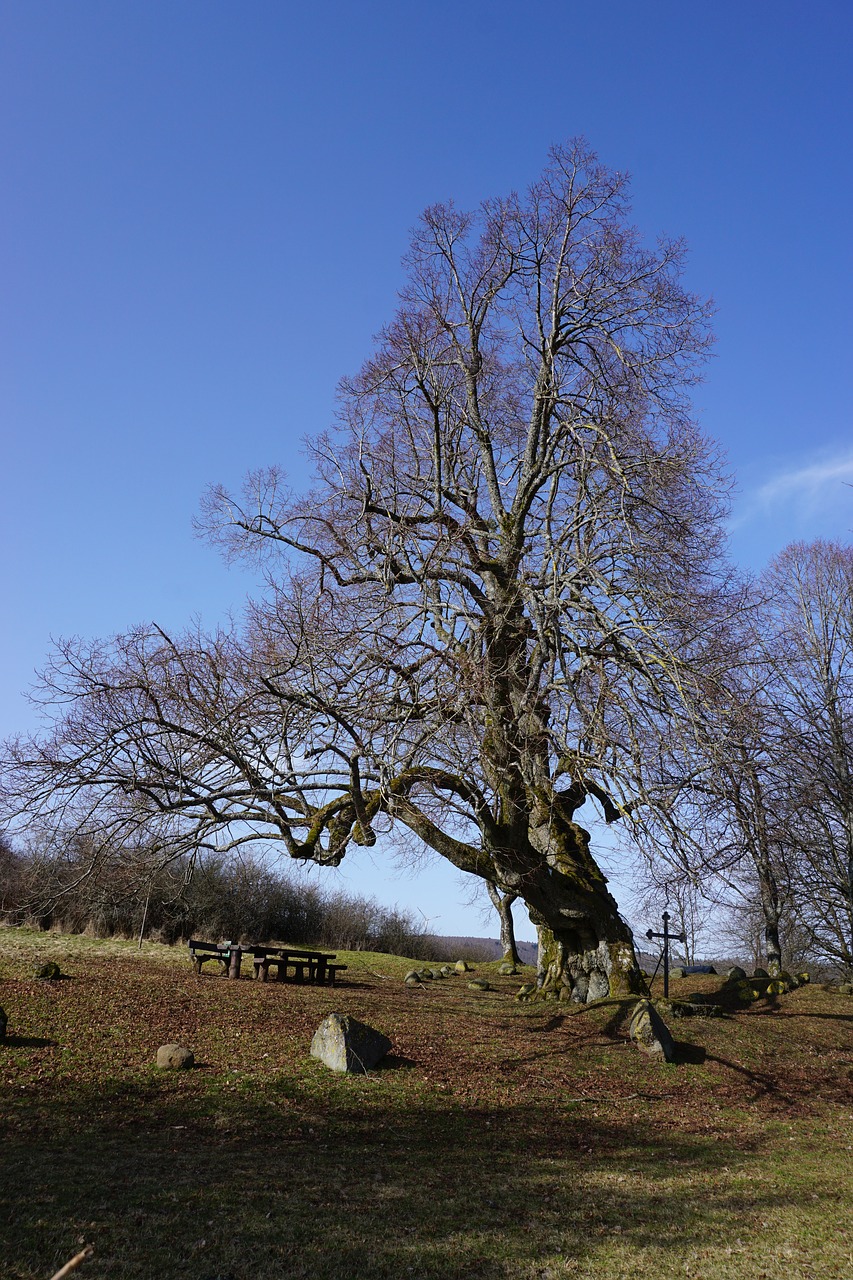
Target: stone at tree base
[
  {"x": 4, "y": 1022},
  {"x": 650, "y": 1033},
  {"x": 48, "y": 972},
  {"x": 608, "y": 970},
  {"x": 526, "y": 991},
  {"x": 599, "y": 986},
  {"x": 745, "y": 991},
  {"x": 343, "y": 1043},
  {"x": 508, "y": 967},
  {"x": 175, "y": 1057}
]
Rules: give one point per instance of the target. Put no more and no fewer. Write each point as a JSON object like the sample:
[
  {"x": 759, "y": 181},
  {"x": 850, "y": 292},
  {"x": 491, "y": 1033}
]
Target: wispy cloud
[{"x": 804, "y": 492}]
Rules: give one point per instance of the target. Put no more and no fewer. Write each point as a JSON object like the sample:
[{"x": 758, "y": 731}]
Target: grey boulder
[
  {"x": 343, "y": 1043},
  {"x": 650, "y": 1033},
  {"x": 175, "y": 1057}
]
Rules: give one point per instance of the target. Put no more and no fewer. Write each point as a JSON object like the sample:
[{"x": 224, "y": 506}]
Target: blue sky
[{"x": 202, "y": 212}]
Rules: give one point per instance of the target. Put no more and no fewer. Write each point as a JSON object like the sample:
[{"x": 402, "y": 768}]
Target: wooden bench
[
  {"x": 332, "y": 970},
  {"x": 228, "y": 955}
]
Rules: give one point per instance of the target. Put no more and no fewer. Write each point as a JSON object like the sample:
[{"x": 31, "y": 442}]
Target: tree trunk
[
  {"x": 586, "y": 950},
  {"x": 770, "y": 910},
  {"x": 503, "y": 906}
]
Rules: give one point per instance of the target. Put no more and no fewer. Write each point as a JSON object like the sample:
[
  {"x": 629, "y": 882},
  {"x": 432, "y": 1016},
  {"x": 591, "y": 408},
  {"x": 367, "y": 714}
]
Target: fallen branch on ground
[{"x": 73, "y": 1263}]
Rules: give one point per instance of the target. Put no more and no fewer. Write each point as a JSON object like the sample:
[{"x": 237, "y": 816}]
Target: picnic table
[
  {"x": 292, "y": 964},
  {"x": 295, "y": 965}
]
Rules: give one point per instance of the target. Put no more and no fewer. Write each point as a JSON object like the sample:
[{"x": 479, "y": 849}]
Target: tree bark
[
  {"x": 770, "y": 910},
  {"x": 586, "y": 950}
]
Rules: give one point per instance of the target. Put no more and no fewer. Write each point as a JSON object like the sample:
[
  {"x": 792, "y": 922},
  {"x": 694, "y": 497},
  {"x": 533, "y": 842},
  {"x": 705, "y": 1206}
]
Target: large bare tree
[{"x": 501, "y": 599}]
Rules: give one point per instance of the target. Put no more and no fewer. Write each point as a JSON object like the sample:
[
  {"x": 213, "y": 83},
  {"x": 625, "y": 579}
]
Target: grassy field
[{"x": 498, "y": 1139}]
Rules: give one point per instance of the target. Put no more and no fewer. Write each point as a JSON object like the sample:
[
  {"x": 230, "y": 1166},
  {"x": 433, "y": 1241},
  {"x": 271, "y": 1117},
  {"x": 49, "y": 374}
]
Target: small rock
[
  {"x": 48, "y": 972},
  {"x": 413, "y": 973},
  {"x": 344, "y": 1044},
  {"x": 480, "y": 984},
  {"x": 735, "y": 974},
  {"x": 446, "y": 971},
  {"x": 650, "y": 1033},
  {"x": 175, "y": 1057},
  {"x": 846, "y": 989},
  {"x": 462, "y": 966},
  {"x": 761, "y": 973},
  {"x": 508, "y": 968},
  {"x": 526, "y": 991}
]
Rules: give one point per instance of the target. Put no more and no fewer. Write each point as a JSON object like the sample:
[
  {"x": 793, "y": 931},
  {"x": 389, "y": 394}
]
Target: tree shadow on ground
[
  {"x": 763, "y": 1084},
  {"x": 275, "y": 1183},
  {"x": 27, "y": 1042},
  {"x": 825, "y": 1017}
]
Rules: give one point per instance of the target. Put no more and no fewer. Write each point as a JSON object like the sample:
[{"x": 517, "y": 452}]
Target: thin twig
[{"x": 74, "y": 1262}]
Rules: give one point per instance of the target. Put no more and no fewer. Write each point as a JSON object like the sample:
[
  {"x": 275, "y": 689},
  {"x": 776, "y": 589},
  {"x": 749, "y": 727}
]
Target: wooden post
[{"x": 236, "y": 961}]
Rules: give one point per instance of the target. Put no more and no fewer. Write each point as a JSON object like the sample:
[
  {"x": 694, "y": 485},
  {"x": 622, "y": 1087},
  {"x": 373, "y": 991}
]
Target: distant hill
[
  {"x": 478, "y": 949},
  {"x": 450, "y": 948}
]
